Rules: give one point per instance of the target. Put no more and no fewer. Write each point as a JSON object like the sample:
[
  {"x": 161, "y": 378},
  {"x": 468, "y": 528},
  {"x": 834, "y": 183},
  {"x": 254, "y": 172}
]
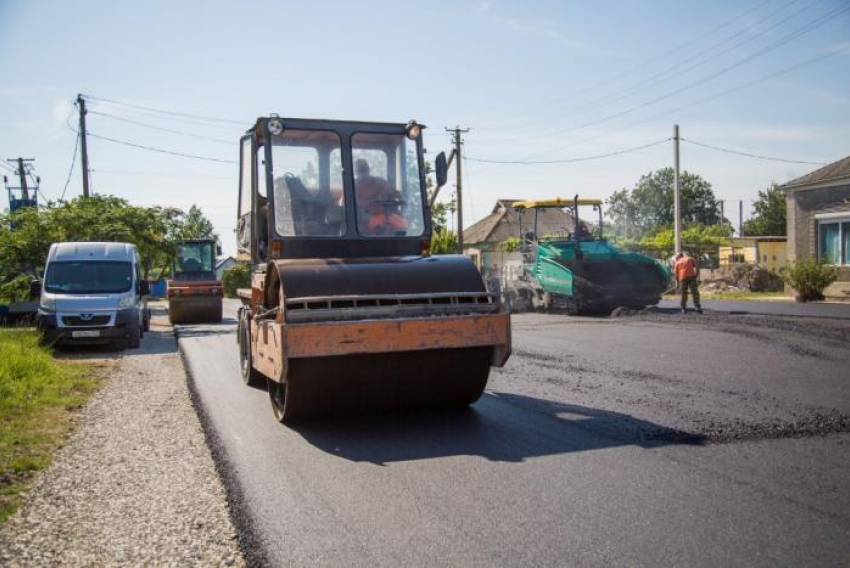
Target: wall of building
[
  {"x": 803, "y": 205},
  {"x": 772, "y": 255}
]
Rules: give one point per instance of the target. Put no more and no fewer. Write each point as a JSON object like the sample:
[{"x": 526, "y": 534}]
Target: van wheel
[
  {"x": 146, "y": 326},
  {"x": 135, "y": 339}
]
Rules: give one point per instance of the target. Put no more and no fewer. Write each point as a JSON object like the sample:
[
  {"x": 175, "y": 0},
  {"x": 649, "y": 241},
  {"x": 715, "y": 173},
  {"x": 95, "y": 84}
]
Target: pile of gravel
[{"x": 136, "y": 484}]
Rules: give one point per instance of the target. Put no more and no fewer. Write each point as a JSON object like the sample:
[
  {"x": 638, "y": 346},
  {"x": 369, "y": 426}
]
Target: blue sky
[{"x": 533, "y": 81}]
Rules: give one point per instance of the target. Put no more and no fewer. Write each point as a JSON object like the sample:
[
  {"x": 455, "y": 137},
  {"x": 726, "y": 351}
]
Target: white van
[{"x": 92, "y": 293}]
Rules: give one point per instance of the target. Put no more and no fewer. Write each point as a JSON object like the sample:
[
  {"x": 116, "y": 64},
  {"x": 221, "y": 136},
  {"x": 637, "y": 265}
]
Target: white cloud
[{"x": 62, "y": 109}]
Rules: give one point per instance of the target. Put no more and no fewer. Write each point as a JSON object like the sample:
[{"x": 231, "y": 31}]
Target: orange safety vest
[{"x": 686, "y": 267}]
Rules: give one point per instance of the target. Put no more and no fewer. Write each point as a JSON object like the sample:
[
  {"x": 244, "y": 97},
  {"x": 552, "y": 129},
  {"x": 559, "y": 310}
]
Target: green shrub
[
  {"x": 511, "y": 244},
  {"x": 444, "y": 242},
  {"x": 235, "y": 277},
  {"x": 15, "y": 290},
  {"x": 809, "y": 277}
]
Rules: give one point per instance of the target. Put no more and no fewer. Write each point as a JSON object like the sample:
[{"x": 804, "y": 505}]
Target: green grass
[{"x": 38, "y": 398}]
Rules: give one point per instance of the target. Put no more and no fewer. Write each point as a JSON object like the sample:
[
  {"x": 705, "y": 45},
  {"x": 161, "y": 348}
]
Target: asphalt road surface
[
  {"x": 653, "y": 440},
  {"x": 774, "y": 307}
]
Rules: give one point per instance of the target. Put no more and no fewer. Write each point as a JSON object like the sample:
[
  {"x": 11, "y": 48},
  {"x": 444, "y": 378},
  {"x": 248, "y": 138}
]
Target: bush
[
  {"x": 511, "y": 244},
  {"x": 16, "y": 290},
  {"x": 235, "y": 277},
  {"x": 809, "y": 277},
  {"x": 444, "y": 242}
]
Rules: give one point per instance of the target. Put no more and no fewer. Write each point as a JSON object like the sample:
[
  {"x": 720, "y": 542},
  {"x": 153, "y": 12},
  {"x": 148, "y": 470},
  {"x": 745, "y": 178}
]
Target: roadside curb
[{"x": 249, "y": 545}]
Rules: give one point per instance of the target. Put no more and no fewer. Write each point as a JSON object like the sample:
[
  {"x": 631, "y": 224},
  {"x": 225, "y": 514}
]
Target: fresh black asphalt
[{"x": 658, "y": 440}]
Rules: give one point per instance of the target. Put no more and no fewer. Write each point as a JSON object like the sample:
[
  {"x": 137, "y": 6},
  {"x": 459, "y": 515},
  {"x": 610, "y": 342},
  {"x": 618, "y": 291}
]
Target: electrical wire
[
  {"x": 814, "y": 24},
  {"x": 629, "y": 71},
  {"x": 163, "y": 111},
  {"x": 71, "y": 169},
  {"x": 163, "y": 129},
  {"x": 158, "y": 150},
  {"x": 672, "y": 72},
  {"x": 749, "y": 155},
  {"x": 160, "y": 174},
  {"x": 569, "y": 160},
  {"x": 8, "y": 167},
  {"x": 711, "y": 97}
]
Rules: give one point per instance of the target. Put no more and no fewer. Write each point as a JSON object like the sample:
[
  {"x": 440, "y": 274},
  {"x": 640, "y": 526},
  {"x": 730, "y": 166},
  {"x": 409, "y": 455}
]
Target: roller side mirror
[
  {"x": 144, "y": 288},
  {"x": 35, "y": 289},
  {"x": 441, "y": 169}
]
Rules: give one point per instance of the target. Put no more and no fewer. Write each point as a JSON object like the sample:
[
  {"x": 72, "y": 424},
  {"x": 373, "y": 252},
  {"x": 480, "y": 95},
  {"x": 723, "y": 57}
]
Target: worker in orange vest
[{"x": 685, "y": 269}]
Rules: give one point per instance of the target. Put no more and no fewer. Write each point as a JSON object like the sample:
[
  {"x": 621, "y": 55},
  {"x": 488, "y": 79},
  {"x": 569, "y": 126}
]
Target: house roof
[
  {"x": 504, "y": 222},
  {"x": 830, "y": 172},
  {"x": 224, "y": 261}
]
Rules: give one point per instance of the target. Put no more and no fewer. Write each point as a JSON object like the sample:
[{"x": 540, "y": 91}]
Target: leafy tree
[
  {"x": 236, "y": 277},
  {"x": 196, "y": 226},
  {"x": 769, "y": 219},
  {"x": 444, "y": 242},
  {"x": 26, "y": 236},
  {"x": 648, "y": 207}
]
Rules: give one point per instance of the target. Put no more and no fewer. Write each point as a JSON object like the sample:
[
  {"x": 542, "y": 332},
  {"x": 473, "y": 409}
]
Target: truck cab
[{"x": 92, "y": 293}]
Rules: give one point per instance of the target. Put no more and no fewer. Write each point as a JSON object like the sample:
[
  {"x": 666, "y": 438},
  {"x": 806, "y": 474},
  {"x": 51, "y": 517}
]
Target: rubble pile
[{"x": 740, "y": 278}]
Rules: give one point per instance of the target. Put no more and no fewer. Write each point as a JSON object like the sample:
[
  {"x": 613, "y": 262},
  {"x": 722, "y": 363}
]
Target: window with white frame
[{"x": 834, "y": 240}]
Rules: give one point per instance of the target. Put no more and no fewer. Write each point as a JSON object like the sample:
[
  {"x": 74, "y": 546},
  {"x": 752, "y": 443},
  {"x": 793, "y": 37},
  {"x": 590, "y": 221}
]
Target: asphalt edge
[{"x": 249, "y": 545}]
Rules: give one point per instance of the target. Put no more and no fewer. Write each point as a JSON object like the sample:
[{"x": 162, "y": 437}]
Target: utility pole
[
  {"x": 22, "y": 173},
  {"x": 741, "y": 218},
  {"x": 677, "y": 193},
  {"x": 456, "y": 131},
  {"x": 84, "y": 154},
  {"x": 722, "y": 218}
]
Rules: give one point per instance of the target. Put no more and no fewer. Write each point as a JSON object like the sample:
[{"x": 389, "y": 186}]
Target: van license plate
[{"x": 92, "y": 333}]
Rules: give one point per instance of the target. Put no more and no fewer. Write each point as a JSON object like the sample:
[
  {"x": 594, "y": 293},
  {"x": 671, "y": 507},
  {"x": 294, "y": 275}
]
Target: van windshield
[{"x": 89, "y": 277}]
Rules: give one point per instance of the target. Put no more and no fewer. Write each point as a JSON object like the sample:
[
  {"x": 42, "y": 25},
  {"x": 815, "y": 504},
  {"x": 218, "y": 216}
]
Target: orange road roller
[{"x": 347, "y": 312}]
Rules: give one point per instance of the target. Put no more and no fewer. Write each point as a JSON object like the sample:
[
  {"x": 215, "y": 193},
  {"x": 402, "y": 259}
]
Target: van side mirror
[
  {"x": 441, "y": 169},
  {"x": 35, "y": 289},
  {"x": 218, "y": 249},
  {"x": 144, "y": 287}
]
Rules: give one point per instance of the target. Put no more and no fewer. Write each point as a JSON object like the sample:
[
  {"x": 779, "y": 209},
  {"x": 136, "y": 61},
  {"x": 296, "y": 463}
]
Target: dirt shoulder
[{"x": 136, "y": 483}]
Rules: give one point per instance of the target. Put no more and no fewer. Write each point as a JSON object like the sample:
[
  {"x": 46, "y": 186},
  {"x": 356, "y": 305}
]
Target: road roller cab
[
  {"x": 194, "y": 293},
  {"x": 346, "y": 311}
]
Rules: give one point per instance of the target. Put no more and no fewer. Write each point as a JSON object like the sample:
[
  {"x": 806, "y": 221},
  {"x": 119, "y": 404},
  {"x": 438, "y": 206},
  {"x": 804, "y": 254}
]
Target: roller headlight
[
  {"x": 125, "y": 302},
  {"x": 48, "y": 304},
  {"x": 413, "y": 130},
  {"x": 275, "y": 127}
]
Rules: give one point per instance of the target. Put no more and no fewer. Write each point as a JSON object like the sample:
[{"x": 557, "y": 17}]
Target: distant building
[
  {"x": 769, "y": 252},
  {"x": 482, "y": 241},
  {"x": 222, "y": 265},
  {"x": 818, "y": 217}
]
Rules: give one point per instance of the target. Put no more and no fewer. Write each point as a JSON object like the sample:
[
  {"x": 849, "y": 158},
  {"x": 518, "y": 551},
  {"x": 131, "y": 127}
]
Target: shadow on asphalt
[{"x": 498, "y": 427}]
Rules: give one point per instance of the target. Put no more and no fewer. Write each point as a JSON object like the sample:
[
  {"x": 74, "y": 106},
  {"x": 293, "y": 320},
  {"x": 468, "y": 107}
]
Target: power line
[
  {"x": 749, "y": 155},
  {"x": 570, "y": 160},
  {"x": 71, "y": 170},
  {"x": 641, "y": 65},
  {"x": 670, "y": 73},
  {"x": 782, "y": 41},
  {"x": 163, "y": 111},
  {"x": 801, "y": 31},
  {"x": 163, "y": 129},
  {"x": 712, "y": 97},
  {"x": 160, "y": 174},
  {"x": 158, "y": 150}
]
